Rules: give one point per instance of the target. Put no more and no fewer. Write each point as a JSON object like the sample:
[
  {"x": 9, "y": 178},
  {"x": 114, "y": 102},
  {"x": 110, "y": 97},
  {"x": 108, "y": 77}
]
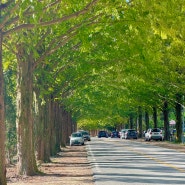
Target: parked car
[
  {"x": 76, "y": 138},
  {"x": 102, "y": 133},
  {"x": 86, "y": 135},
  {"x": 154, "y": 134},
  {"x": 131, "y": 134},
  {"x": 122, "y": 133},
  {"x": 115, "y": 134}
]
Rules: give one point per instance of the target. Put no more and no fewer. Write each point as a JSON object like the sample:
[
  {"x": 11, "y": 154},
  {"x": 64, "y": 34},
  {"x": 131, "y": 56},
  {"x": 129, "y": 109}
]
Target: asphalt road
[{"x": 126, "y": 162}]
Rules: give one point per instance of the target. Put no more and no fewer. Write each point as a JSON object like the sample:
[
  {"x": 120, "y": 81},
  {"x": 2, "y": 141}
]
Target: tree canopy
[{"x": 100, "y": 59}]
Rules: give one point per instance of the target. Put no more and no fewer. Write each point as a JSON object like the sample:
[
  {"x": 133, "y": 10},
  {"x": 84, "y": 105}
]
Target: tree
[{"x": 13, "y": 22}]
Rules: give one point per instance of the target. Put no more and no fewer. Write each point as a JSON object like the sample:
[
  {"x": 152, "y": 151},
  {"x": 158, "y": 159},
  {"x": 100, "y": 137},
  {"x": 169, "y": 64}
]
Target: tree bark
[
  {"x": 147, "y": 120},
  {"x": 43, "y": 137},
  {"x": 166, "y": 121},
  {"x": 178, "y": 109},
  {"x": 57, "y": 126},
  {"x": 53, "y": 128},
  {"x": 140, "y": 122},
  {"x": 155, "y": 117},
  {"x": 2, "y": 122},
  {"x": 66, "y": 127},
  {"x": 136, "y": 122},
  {"x": 131, "y": 121},
  {"x": 24, "y": 120}
]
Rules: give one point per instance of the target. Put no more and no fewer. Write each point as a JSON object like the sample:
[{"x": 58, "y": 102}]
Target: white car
[
  {"x": 76, "y": 138},
  {"x": 122, "y": 133},
  {"x": 154, "y": 134}
]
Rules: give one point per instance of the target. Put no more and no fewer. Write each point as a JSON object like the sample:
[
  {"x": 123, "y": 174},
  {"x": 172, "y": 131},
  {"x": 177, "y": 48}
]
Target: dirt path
[{"x": 69, "y": 167}]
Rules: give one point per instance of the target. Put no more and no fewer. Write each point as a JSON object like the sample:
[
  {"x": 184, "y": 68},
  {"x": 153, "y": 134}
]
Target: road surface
[{"x": 127, "y": 162}]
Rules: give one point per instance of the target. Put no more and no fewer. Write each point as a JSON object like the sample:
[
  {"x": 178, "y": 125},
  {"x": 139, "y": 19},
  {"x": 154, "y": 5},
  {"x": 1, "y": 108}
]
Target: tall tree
[
  {"x": 12, "y": 15},
  {"x": 2, "y": 123}
]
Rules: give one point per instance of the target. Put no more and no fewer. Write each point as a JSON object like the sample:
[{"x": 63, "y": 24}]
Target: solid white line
[{"x": 92, "y": 158}]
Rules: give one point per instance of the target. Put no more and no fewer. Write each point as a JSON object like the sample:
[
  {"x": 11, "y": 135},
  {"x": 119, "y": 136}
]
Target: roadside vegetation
[{"x": 91, "y": 64}]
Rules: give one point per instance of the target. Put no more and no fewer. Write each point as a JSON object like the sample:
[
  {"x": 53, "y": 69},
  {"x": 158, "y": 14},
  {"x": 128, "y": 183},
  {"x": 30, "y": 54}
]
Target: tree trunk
[
  {"x": 40, "y": 130},
  {"x": 147, "y": 120},
  {"x": 136, "y": 123},
  {"x": 47, "y": 131},
  {"x": 131, "y": 121},
  {"x": 57, "y": 126},
  {"x": 70, "y": 123},
  {"x": 24, "y": 120},
  {"x": 43, "y": 147},
  {"x": 140, "y": 122},
  {"x": 178, "y": 108},
  {"x": 155, "y": 117},
  {"x": 166, "y": 121},
  {"x": 2, "y": 122},
  {"x": 66, "y": 126},
  {"x": 53, "y": 124}
]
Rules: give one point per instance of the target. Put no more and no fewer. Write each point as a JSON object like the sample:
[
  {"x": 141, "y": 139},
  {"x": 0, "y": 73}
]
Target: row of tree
[
  {"x": 91, "y": 62},
  {"x": 143, "y": 68}
]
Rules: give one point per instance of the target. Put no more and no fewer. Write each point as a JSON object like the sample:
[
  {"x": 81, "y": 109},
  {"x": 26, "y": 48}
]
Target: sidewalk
[{"x": 69, "y": 167}]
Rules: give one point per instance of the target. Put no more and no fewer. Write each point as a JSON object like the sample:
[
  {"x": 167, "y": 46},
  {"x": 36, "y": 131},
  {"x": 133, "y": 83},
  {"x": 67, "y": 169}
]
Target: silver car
[
  {"x": 86, "y": 135},
  {"x": 154, "y": 134},
  {"x": 76, "y": 138}
]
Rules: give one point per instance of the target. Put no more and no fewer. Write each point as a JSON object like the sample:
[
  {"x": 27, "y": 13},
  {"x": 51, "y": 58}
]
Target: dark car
[
  {"x": 102, "y": 133},
  {"x": 131, "y": 134},
  {"x": 115, "y": 134}
]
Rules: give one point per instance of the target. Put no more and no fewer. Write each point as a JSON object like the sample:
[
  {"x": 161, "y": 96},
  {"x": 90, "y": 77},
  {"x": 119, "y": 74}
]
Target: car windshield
[
  {"x": 156, "y": 130},
  {"x": 131, "y": 131},
  {"x": 76, "y": 135},
  {"x": 85, "y": 133},
  {"x": 102, "y": 132},
  {"x": 124, "y": 130}
]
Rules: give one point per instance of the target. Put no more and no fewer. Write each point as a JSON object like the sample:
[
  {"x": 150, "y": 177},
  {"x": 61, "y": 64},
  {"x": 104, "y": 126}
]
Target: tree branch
[{"x": 55, "y": 21}]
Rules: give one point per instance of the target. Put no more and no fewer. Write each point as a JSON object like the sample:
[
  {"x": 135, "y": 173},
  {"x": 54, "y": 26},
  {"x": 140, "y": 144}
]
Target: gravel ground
[{"x": 70, "y": 166}]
